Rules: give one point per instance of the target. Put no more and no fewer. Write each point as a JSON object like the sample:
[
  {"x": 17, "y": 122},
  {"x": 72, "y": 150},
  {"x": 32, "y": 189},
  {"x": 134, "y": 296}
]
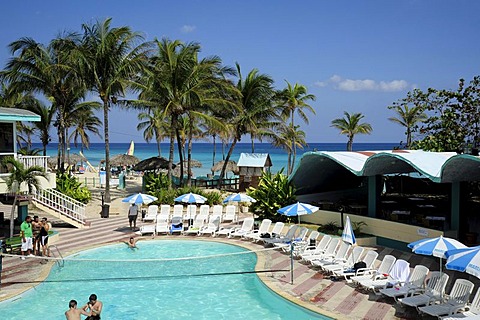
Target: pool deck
[{"x": 336, "y": 299}]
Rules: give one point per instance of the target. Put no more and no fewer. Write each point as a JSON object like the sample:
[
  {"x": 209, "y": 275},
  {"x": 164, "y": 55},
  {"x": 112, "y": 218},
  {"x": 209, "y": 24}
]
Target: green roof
[{"x": 13, "y": 114}]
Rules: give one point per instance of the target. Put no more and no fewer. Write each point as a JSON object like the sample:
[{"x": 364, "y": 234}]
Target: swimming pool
[{"x": 180, "y": 289}]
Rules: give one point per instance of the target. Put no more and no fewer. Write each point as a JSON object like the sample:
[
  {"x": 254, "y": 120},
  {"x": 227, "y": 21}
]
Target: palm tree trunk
[
  {"x": 293, "y": 158},
  {"x": 180, "y": 155},
  {"x": 253, "y": 144},
  {"x": 350, "y": 144},
  {"x": 12, "y": 214},
  {"x": 171, "y": 151},
  {"x": 214, "y": 150},
  {"x": 189, "y": 152},
  {"x": 224, "y": 168},
  {"x": 107, "y": 148},
  {"x": 159, "y": 147},
  {"x": 409, "y": 138},
  {"x": 289, "y": 163}
]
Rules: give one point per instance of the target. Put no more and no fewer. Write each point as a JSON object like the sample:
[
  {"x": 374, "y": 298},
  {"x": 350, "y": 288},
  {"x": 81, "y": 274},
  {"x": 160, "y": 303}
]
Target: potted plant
[{"x": 244, "y": 206}]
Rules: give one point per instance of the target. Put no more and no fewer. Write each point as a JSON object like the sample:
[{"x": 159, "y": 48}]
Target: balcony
[{"x": 30, "y": 161}]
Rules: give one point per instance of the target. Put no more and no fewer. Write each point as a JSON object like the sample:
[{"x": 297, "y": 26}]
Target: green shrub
[
  {"x": 71, "y": 187},
  {"x": 273, "y": 192},
  {"x": 329, "y": 228}
]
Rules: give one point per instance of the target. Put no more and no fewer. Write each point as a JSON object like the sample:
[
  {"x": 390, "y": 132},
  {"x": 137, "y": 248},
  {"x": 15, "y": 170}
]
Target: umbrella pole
[{"x": 291, "y": 261}]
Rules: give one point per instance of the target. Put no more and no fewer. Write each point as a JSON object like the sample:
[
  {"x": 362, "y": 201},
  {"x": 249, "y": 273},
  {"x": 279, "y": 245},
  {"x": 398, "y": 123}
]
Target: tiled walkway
[{"x": 334, "y": 298}]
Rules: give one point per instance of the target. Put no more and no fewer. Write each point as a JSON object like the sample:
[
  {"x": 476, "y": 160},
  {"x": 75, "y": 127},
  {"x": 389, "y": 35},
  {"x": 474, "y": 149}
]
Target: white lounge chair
[
  {"x": 373, "y": 274},
  {"x": 329, "y": 251},
  {"x": 399, "y": 274},
  {"x": 162, "y": 225},
  {"x": 472, "y": 313},
  {"x": 246, "y": 227},
  {"x": 414, "y": 283},
  {"x": 281, "y": 238},
  {"x": 212, "y": 226},
  {"x": 165, "y": 210},
  {"x": 177, "y": 211},
  {"x": 147, "y": 229},
  {"x": 195, "y": 227},
  {"x": 456, "y": 300},
  {"x": 299, "y": 246},
  {"x": 300, "y": 236},
  {"x": 337, "y": 266},
  {"x": 176, "y": 226},
  {"x": 369, "y": 259},
  {"x": 230, "y": 214},
  {"x": 152, "y": 212},
  {"x": 204, "y": 212},
  {"x": 340, "y": 255},
  {"x": 433, "y": 291},
  {"x": 191, "y": 212},
  {"x": 316, "y": 250},
  {"x": 225, "y": 231},
  {"x": 262, "y": 229},
  {"x": 277, "y": 229},
  {"x": 217, "y": 210}
]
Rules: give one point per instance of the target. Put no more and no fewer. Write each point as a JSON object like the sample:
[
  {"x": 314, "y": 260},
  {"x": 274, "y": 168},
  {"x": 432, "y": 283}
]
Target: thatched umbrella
[
  {"x": 176, "y": 171},
  {"x": 124, "y": 160},
  {"x": 71, "y": 159},
  {"x": 193, "y": 163},
  {"x": 151, "y": 164},
  {"x": 231, "y": 166}
]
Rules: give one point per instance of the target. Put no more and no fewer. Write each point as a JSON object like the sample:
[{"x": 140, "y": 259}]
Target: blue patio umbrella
[
  {"x": 436, "y": 247},
  {"x": 298, "y": 209},
  {"x": 347, "y": 234},
  {"x": 191, "y": 198},
  {"x": 466, "y": 260},
  {"x": 239, "y": 197},
  {"x": 139, "y": 198}
]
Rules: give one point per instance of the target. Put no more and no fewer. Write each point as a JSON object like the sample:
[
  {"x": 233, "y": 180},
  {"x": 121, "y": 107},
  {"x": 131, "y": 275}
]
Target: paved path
[{"x": 309, "y": 288}]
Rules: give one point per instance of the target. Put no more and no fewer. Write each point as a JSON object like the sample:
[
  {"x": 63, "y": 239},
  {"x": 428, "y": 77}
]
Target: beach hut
[{"x": 251, "y": 166}]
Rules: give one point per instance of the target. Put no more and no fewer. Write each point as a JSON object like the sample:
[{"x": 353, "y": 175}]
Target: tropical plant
[
  {"x": 289, "y": 138},
  {"x": 43, "y": 126},
  {"x": 294, "y": 99},
  {"x": 408, "y": 117},
  {"x": 154, "y": 126},
  {"x": 84, "y": 120},
  {"x": 329, "y": 228},
  {"x": 110, "y": 58},
  {"x": 70, "y": 186},
  {"x": 274, "y": 191},
  {"x": 358, "y": 226},
  {"x": 350, "y": 126},
  {"x": 19, "y": 175},
  {"x": 155, "y": 182}
]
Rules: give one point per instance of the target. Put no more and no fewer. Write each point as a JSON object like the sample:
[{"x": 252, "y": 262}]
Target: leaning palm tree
[
  {"x": 408, "y": 118},
  {"x": 43, "y": 126},
  {"x": 110, "y": 58},
  {"x": 282, "y": 137},
  {"x": 153, "y": 126},
  {"x": 350, "y": 126},
  {"x": 18, "y": 176},
  {"x": 294, "y": 100},
  {"x": 84, "y": 121}
]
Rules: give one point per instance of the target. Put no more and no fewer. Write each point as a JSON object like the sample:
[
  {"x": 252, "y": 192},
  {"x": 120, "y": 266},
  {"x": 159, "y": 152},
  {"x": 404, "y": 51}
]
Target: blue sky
[{"x": 356, "y": 56}]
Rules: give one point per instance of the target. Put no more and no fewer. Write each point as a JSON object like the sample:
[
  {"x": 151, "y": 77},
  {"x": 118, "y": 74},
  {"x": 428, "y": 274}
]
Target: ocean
[{"x": 203, "y": 152}]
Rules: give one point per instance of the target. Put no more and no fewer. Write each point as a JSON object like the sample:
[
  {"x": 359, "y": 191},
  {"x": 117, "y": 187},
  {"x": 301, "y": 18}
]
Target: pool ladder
[{"x": 60, "y": 262}]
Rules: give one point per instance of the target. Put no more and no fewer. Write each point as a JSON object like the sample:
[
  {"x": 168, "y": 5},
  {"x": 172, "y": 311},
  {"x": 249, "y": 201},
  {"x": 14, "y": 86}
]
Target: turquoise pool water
[{"x": 182, "y": 289}]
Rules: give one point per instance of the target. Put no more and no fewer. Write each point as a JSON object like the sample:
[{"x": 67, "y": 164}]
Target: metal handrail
[{"x": 61, "y": 262}]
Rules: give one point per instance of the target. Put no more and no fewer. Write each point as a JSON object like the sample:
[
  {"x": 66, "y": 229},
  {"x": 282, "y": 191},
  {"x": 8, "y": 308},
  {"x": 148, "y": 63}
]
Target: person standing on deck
[
  {"x": 26, "y": 233},
  {"x": 36, "y": 226},
  {"x": 44, "y": 237},
  {"x": 132, "y": 216}
]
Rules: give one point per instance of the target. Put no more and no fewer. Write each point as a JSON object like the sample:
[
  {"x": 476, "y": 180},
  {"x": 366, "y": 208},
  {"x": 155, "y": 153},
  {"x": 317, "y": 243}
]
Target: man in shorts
[
  {"x": 132, "y": 216},
  {"x": 94, "y": 306},
  {"x": 73, "y": 313},
  {"x": 36, "y": 226},
  {"x": 27, "y": 234}
]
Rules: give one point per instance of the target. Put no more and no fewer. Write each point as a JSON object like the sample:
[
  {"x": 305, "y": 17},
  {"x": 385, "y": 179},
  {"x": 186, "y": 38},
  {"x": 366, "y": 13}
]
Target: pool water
[{"x": 212, "y": 288}]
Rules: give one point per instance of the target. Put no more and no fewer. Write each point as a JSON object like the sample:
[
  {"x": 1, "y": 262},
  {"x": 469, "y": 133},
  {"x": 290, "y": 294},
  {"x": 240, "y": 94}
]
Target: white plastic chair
[
  {"x": 340, "y": 265},
  {"x": 165, "y": 210},
  {"x": 367, "y": 274},
  {"x": 398, "y": 274},
  {"x": 263, "y": 228},
  {"x": 369, "y": 260},
  {"x": 177, "y": 211},
  {"x": 151, "y": 213},
  {"x": 329, "y": 251},
  {"x": 457, "y": 300},
  {"x": 217, "y": 210},
  {"x": 414, "y": 283},
  {"x": 318, "y": 249},
  {"x": 212, "y": 226},
  {"x": 340, "y": 255},
  {"x": 472, "y": 313},
  {"x": 191, "y": 212},
  {"x": 204, "y": 212},
  {"x": 277, "y": 229},
  {"x": 433, "y": 291},
  {"x": 162, "y": 225},
  {"x": 195, "y": 227},
  {"x": 246, "y": 227},
  {"x": 230, "y": 214}
]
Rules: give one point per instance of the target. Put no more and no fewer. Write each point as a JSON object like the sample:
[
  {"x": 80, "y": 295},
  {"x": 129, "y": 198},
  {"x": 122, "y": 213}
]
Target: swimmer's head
[{"x": 72, "y": 304}]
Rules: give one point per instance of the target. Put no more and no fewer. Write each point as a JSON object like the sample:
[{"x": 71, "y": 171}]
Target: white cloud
[
  {"x": 363, "y": 84},
  {"x": 188, "y": 28}
]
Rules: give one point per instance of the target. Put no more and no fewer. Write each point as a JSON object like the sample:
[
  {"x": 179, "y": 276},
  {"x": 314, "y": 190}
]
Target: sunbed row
[{"x": 166, "y": 212}]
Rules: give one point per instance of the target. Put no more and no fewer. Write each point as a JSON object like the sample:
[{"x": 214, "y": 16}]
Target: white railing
[
  {"x": 30, "y": 161},
  {"x": 61, "y": 203}
]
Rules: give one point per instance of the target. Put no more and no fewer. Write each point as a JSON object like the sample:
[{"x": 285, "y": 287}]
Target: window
[{"x": 6, "y": 138}]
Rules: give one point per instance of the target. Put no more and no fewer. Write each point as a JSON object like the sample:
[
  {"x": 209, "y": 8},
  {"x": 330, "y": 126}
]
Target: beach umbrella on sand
[
  {"x": 193, "y": 163},
  {"x": 139, "y": 198},
  {"x": 465, "y": 260},
  {"x": 124, "y": 160},
  {"x": 151, "y": 164},
  {"x": 347, "y": 234},
  {"x": 231, "y": 166},
  {"x": 239, "y": 197},
  {"x": 72, "y": 159},
  {"x": 298, "y": 209},
  {"x": 436, "y": 247},
  {"x": 191, "y": 198}
]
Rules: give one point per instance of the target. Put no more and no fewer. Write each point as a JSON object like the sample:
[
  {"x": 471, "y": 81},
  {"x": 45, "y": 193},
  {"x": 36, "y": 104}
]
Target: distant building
[{"x": 251, "y": 166}]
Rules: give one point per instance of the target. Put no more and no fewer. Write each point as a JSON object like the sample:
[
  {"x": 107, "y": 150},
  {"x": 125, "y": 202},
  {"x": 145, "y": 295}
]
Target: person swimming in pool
[
  {"x": 73, "y": 313},
  {"x": 131, "y": 243},
  {"x": 94, "y": 306}
]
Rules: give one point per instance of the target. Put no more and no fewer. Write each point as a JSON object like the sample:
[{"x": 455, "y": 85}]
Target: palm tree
[
  {"x": 83, "y": 121},
  {"x": 19, "y": 175},
  {"x": 408, "y": 118},
  {"x": 350, "y": 126},
  {"x": 153, "y": 126},
  {"x": 110, "y": 58},
  {"x": 294, "y": 99},
  {"x": 256, "y": 93},
  {"x": 282, "y": 137},
  {"x": 50, "y": 70},
  {"x": 43, "y": 126}
]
